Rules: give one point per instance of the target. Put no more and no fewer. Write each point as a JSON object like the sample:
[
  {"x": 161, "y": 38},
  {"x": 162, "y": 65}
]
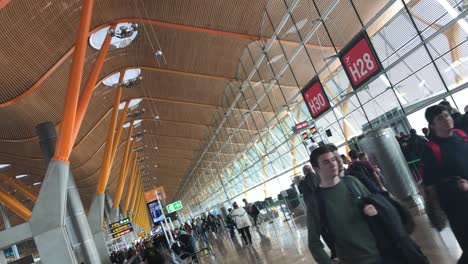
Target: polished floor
[{"x": 286, "y": 242}]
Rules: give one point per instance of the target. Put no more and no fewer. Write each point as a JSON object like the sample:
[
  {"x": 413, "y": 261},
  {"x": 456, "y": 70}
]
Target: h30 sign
[
  {"x": 315, "y": 98},
  {"x": 360, "y": 60}
]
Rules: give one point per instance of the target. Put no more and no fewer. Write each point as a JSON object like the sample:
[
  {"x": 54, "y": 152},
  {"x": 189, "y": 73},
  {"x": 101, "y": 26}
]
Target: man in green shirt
[{"x": 354, "y": 241}]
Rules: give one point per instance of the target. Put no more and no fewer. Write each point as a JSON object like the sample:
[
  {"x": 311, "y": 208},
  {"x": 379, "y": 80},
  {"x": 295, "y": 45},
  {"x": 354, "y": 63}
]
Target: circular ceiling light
[
  {"x": 130, "y": 74},
  {"x": 136, "y": 123},
  {"x": 133, "y": 104},
  {"x": 118, "y": 40}
]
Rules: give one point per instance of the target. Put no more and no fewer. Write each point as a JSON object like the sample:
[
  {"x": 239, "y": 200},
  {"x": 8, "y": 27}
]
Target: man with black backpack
[
  {"x": 366, "y": 228},
  {"x": 445, "y": 172}
]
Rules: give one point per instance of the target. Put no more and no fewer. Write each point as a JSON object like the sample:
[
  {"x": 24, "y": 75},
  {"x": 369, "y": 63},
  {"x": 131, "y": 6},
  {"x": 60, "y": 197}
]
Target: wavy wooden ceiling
[{"x": 186, "y": 92}]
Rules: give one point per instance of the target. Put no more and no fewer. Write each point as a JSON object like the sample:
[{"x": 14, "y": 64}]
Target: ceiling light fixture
[
  {"x": 4, "y": 166},
  {"x": 158, "y": 53},
  {"x": 21, "y": 176},
  {"x": 37, "y": 183}
]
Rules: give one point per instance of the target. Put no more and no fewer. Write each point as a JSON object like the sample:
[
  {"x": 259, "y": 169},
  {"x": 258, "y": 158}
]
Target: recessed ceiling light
[
  {"x": 156, "y": 117},
  {"x": 21, "y": 176},
  {"x": 4, "y": 166},
  {"x": 37, "y": 183}
]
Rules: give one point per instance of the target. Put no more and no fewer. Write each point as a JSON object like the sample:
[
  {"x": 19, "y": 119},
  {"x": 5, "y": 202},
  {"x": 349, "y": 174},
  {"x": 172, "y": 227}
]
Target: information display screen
[
  {"x": 156, "y": 211},
  {"x": 120, "y": 228},
  {"x": 119, "y": 223},
  {"x": 126, "y": 231}
]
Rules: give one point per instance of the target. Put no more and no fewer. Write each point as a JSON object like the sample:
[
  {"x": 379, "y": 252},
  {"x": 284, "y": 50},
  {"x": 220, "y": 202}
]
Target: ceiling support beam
[
  {"x": 65, "y": 136},
  {"x": 19, "y": 186}
]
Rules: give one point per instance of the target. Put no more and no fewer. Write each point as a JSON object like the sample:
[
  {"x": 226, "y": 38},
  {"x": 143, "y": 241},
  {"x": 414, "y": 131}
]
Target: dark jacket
[{"x": 395, "y": 244}]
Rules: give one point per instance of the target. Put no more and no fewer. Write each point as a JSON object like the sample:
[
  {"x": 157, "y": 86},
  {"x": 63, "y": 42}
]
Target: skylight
[
  {"x": 118, "y": 41},
  {"x": 136, "y": 123},
  {"x": 133, "y": 104},
  {"x": 130, "y": 74},
  {"x": 21, "y": 176}
]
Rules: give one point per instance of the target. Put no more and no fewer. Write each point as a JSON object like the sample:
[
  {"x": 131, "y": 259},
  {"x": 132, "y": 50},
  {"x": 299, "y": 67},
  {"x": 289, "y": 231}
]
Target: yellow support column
[
  {"x": 19, "y": 186},
  {"x": 264, "y": 164},
  {"x": 107, "y": 162},
  {"x": 124, "y": 167},
  {"x": 14, "y": 205},
  {"x": 131, "y": 185},
  {"x": 123, "y": 117},
  {"x": 135, "y": 195}
]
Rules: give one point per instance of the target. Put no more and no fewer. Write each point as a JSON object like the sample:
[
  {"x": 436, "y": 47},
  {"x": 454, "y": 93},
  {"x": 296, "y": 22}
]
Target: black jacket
[{"x": 394, "y": 242}]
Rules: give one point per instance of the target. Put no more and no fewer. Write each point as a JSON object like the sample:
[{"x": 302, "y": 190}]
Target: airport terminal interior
[{"x": 234, "y": 131}]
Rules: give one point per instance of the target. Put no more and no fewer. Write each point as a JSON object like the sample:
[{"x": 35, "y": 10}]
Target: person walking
[
  {"x": 365, "y": 227},
  {"x": 445, "y": 172},
  {"x": 242, "y": 220}
]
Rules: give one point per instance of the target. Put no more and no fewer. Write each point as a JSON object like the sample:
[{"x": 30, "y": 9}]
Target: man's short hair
[
  {"x": 306, "y": 169},
  {"x": 433, "y": 111},
  {"x": 353, "y": 154},
  {"x": 332, "y": 147},
  {"x": 362, "y": 155},
  {"x": 314, "y": 156}
]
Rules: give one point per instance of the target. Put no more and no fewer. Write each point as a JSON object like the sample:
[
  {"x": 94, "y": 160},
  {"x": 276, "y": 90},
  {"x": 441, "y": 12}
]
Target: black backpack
[{"x": 362, "y": 173}]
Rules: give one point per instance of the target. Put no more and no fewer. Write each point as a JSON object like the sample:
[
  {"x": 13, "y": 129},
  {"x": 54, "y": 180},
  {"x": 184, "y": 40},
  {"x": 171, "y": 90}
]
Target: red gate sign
[
  {"x": 315, "y": 98},
  {"x": 360, "y": 60}
]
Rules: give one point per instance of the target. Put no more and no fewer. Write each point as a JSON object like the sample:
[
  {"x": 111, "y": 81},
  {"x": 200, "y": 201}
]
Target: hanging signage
[
  {"x": 120, "y": 228},
  {"x": 313, "y": 130},
  {"x": 120, "y": 223},
  {"x": 174, "y": 207},
  {"x": 126, "y": 231},
  {"x": 360, "y": 60},
  {"x": 301, "y": 126},
  {"x": 315, "y": 98},
  {"x": 151, "y": 195}
]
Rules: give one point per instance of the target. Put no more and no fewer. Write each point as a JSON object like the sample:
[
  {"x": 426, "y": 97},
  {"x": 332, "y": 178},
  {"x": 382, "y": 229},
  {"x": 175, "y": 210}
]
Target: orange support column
[
  {"x": 107, "y": 163},
  {"x": 130, "y": 186},
  {"x": 135, "y": 194},
  {"x": 124, "y": 168},
  {"x": 14, "y": 205},
  {"x": 88, "y": 90},
  {"x": 19, "y": 186},
  {"x": 123, "y": 117},
  {"x": 65, "y": 137}
]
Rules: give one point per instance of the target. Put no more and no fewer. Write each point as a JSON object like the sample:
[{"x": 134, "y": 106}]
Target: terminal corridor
[{"x": 234, "y": 131}]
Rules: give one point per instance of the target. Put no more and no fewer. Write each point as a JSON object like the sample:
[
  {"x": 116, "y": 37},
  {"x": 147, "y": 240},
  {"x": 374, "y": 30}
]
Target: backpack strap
[
  {"x": 436, "y": 151},
  {"x": 462, "y": 134}
]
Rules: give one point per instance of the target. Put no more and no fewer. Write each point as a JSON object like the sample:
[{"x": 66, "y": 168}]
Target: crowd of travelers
[
  {"x": 361, "y": 222},
  {"x": 348, "y": 205},
  {"x": 144, "y": 251}
]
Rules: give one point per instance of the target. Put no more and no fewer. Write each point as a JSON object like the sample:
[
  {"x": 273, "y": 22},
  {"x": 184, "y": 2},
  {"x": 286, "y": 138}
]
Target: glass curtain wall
[{"x": 253, "y": 152}]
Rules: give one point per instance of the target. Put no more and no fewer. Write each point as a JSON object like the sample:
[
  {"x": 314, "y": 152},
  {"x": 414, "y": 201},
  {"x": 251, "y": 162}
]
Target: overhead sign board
[
  {"x": 126, "y": 231},
  {"x": 151, "y": 195},
  {"x": 360, "y": 60},
  {"x": 313, "y": 130},
  {"x": 315, "y": 98},
  {"x": 119, "y": 223},
  {"x": 301, "y": 126},
  {"x": 174, "y": 207},
  {"x": 120, "y": 228}
]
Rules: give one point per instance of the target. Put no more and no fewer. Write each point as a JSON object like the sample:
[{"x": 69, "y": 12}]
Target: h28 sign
[
  {"x": 359, "y": 60},
  {"x": 315, "y": 98}
]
